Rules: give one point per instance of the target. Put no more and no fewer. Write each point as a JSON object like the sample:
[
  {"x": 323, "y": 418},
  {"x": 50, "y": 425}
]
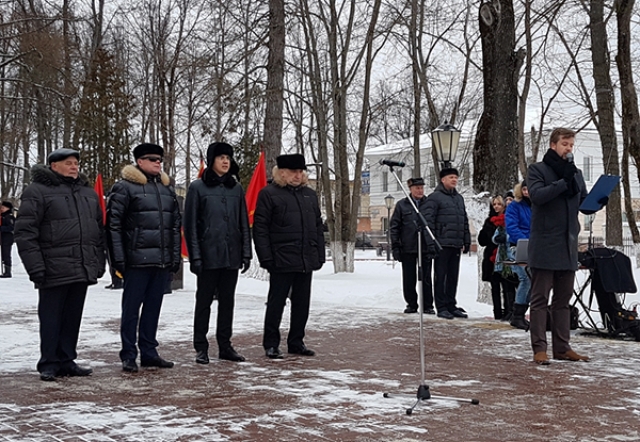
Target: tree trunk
[
  {"x": 495, "y": 153},
  {"x": 606, "y": 120}
]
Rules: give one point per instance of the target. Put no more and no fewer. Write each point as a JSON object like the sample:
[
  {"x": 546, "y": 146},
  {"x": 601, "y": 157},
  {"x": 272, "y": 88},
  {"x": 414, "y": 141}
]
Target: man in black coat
[
  {"x": 216, "y": 229},
  {"x": 6, "y": 237},
  {"x": 287, "y": 232},
  {"x": 404, "y": 240},
  {"x": 447, "y": 219},
  {"x": 59, "y": 234},
  {"x": 556, "y": 189},
  {"x": 143, "y": 232}
]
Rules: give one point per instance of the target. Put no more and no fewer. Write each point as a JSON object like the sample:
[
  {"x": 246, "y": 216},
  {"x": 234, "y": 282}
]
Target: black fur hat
[
  {"x": 216, "y": 149},
  {"x": 294, "y": 161},
  {"x": 7, "y": 204},
  {"x": 417, "y": 181},
  {"x": 147, "y": 148},
  {"x": 449, "y": 171}
]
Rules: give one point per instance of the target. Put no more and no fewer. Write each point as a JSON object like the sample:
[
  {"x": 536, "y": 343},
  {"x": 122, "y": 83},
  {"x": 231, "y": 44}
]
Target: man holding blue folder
[{"x": 556, "y": 188}]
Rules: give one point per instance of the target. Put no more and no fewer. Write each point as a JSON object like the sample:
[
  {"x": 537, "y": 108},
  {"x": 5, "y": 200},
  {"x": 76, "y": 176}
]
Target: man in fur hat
[
  {"x": 59, "y": 234},
  {"x": 6, "y": 237},
  {"x": 289, "y": 242},
  {"x": 216, "y": 229},
  {"x": 447, "y": 219},
  {"x": 143, "y": 232}
]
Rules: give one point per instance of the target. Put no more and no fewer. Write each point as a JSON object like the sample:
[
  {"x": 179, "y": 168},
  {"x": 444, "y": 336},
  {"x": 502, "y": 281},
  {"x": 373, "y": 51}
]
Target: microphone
[
  {"x": 570, "y": 158},
  {"x": 391, "y": 163}
]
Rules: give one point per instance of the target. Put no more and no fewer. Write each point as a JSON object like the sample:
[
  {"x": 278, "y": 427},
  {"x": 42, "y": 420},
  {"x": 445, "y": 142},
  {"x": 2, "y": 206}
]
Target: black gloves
[
  {"x": 432, "y": 252},
  {"x": 466, "y": 248},
  {"x": 570, "y": 170},
  {"x": 176, "y": 267},
  {"x": 500, "y": 238},
  {"x": 38, "y": 278},
  {"x": 119, "y": 267},
  {"x": 397, "y": 255},
  {"x": 603, "y": 201},
  {"x": 195, "y": 267},
  {"x": 246, "y": 263}
]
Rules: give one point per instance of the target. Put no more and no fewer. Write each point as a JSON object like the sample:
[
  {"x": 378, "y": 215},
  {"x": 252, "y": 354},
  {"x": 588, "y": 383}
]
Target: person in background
[
  {"x": 447, "y": 219},
  {"x": 404, "y": 241},
  {"x": 289, "y": 242},
  {"x": 518, "y": 223},
  {"x": 556, "y": 188},
  {"x": 491, "y": 269},
  {"x": 7, "y": 222},
  {"x": 59, "y": 234},
  {"x": 143, "y": 232},
  {"x": 216, "y": 229}
]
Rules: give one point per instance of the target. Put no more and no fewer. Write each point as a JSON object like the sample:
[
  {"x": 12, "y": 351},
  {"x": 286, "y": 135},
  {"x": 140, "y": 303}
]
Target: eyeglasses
[{"x": 153, "y": 159}]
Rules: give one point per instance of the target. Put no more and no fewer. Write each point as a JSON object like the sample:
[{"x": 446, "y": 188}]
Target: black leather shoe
[
  {"x": 48, "y": 376},
  {"x": 411, "y": 310},
  {"x": 274, "y": 353},
  {"x": 130, "y": 365},
  {"x": 156, "y": 362},
  {"x": 202, "y": 357},
  {"x": 429, "y": 311},
  {"x": 459, "y": 314},
  {"x": 445, "y": 315},
  {"x": 229, "y": 354},
  {"x": 76, "y": 370},
  {"x": 304, "y": 351}
]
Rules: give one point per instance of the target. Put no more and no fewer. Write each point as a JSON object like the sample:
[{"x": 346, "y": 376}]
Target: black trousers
[
  {"x": 298, "y": 287},
  {"x": 508, "y": 288},
  {"x": 60, "y": 313},
  {"x": 141, "y": 303},
  {"x": 220, "y": 282},
  {"x": 446, "y": 268},
  {"x": 6, "y": 254},
  {"x": 409, "y": 281}
]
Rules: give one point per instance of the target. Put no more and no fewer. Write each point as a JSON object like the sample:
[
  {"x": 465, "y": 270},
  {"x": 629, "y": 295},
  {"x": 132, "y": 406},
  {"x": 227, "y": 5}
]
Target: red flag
[
  {"x": 100, "y": 191},
  {"x": 201, "y": 170},
  {"x": 258, "y": 181},
  {"x": 183, "y": 245}
]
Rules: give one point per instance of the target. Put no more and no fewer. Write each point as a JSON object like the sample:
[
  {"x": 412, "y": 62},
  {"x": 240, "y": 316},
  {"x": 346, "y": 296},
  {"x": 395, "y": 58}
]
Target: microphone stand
[{"x": 423, "y": 393}]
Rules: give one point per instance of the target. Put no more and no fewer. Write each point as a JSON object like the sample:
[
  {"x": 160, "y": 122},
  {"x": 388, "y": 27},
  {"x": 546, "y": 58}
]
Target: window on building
[
  {"x": 385, "y": 182},
  {"x": 586, "y": 168},
  {"x": 466, "y": 176},
  {"x": 398, "y": 185},
  {"x": 587, "y": 223}
]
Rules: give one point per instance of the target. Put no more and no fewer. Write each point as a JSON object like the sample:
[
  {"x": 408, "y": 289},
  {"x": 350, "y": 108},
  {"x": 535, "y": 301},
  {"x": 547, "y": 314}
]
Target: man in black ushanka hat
[
  {"x": 216, "y": 229},
  {"x": 289, "y": 241}
]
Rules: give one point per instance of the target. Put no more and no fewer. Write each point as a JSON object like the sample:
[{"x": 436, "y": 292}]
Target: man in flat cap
[
  {"x": 143, "y": 233},
  {"x": 289, "y": 242},
  {"x": 7, "y": 222},
  {"x": 447, "y": 219},
  {"x": 216, "y": 229},
  {"x": 59, "y": 234},
  {"x": 403, "y": 231}
]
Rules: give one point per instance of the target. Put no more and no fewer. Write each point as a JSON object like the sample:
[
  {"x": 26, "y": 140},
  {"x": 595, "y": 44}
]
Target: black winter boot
[
  {"x": 518, "y": 320},
  {"x": 6, "y": 272}
]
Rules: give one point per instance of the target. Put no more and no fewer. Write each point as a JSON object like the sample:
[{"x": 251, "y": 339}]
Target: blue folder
[{"x": 601, "y": 189}]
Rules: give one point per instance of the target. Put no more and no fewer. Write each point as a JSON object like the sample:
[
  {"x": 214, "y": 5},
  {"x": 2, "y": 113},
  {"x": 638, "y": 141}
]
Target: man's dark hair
[{"x": 561, "y": 132}]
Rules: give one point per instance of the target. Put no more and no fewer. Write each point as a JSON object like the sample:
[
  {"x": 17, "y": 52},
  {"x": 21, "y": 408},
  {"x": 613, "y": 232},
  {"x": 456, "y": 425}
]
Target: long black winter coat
[
  {"x": 447, "y": 217},
  {"x": 143, "y": 221},
  {"x": 553, "y": 243},
  {"x": 485, "y": 240},
  {"x": 216, "y": 224},
  {"x": 287, "y": 229},
  {"x": 6, "y": 228},
  {"x": 59, "y": 229},
  {"x": 404, "y": 229}
]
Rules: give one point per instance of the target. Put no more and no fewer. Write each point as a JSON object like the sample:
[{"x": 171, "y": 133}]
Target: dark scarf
[
  {"x": 212, "y": 179},
  {"x": 555, "y": 162}
]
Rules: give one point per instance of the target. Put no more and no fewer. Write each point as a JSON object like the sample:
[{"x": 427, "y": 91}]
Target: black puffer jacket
[
  {"x": 143, "y": 221},
  {"x": 59, "y": 229},
  {"x": 447, "y": 217},
  {"x": 485, "y": 240},
  {"x": 216, "y": 225},
  {"x": 404, "y": 228},
  {"x": 287, "y": 228}
]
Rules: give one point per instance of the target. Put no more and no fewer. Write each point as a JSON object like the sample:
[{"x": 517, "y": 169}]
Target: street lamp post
[
  {"x": 388, "y": 202},
  {"x": 445, "y": 141}
]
